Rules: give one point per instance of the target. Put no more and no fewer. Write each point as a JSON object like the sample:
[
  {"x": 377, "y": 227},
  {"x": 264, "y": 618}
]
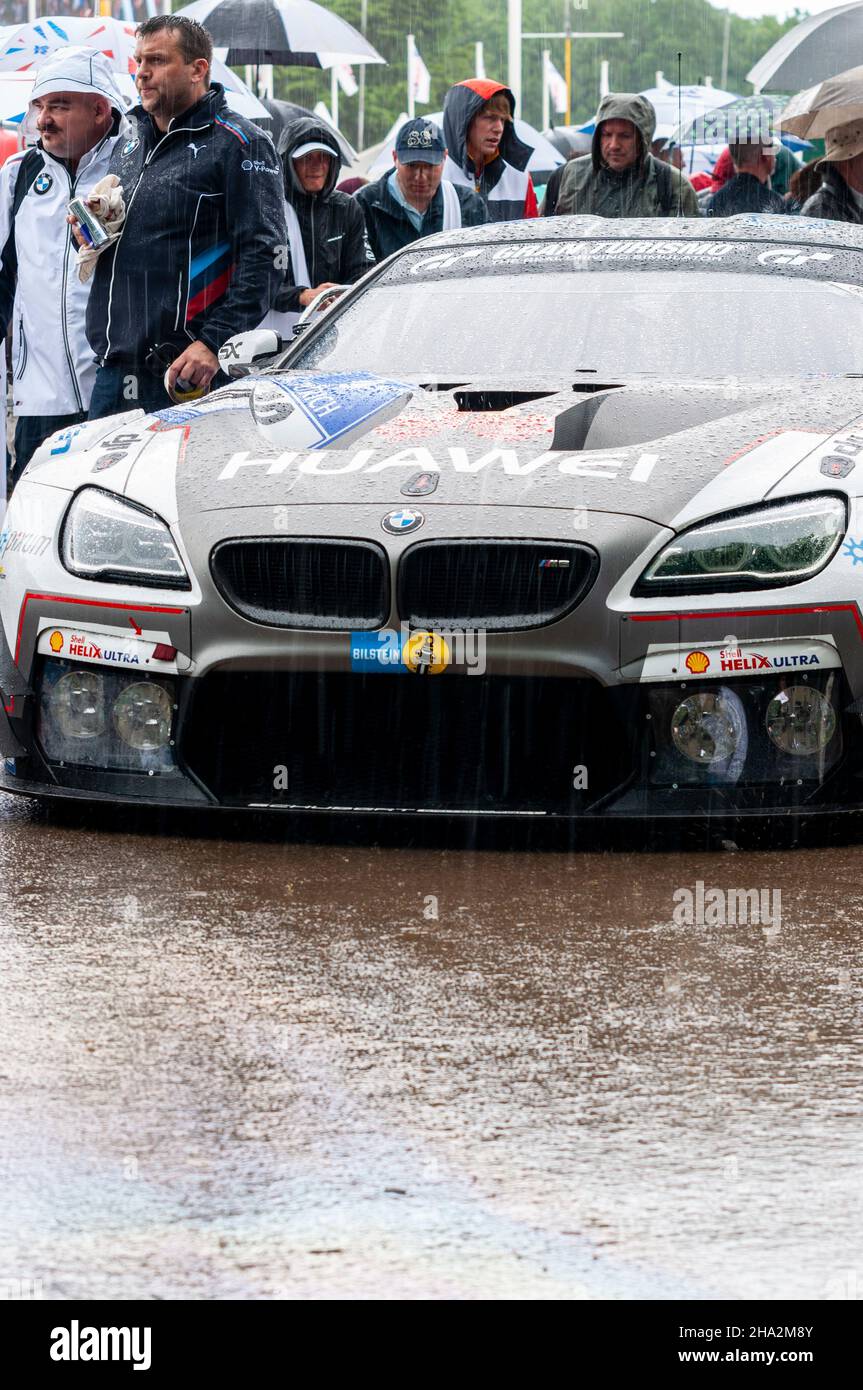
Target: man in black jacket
[
  {"x": 411, "y": 201},
  {"x": 327, "y": 240},
  {"x": 840, "y": 197},
  {"x": 197, "y": 260},
  {"x": 749, "y": 190}
]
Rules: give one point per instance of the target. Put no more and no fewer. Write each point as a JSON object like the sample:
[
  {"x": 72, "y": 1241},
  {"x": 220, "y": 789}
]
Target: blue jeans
[{"x": 123, "y": 386}]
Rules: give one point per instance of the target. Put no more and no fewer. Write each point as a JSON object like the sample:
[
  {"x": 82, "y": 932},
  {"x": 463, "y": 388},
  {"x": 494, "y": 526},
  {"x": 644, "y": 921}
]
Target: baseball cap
[
  {"x": 79, "y": 69},
  {"x": 420, "y": 142},
  {"x": 313, "y": 145}
]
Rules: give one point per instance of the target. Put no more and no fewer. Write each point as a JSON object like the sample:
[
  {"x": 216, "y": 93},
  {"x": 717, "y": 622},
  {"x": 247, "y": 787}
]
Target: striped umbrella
[
  {"x": 286, "y": 33},
  {"x": 24, "y": 48}
]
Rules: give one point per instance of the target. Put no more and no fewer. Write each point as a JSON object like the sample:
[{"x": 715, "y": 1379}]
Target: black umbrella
[{"x": 295, "y": 33}]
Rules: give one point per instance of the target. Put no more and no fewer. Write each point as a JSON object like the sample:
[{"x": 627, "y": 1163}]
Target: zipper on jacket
[
  {"x": 190, "y": 129},
  {"x": 314, "y": 270},
  {"x": 69, "y": 358},
  {"x": 22, "y": 345}
]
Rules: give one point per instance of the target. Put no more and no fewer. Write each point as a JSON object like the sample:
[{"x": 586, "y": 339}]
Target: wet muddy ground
[{"x": 232, "y": 1066}]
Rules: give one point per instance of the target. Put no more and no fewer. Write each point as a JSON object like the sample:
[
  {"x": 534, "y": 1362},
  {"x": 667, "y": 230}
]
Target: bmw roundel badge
[
  {"x": 130, "y": 145},
  {"x": 401, "y": 522},
  {"x": 43, "y": 182}
]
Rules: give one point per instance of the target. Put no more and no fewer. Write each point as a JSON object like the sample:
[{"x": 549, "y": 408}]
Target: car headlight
[
  {"x": 107, "y": 538},
  {"x": 782, "y": 543}
]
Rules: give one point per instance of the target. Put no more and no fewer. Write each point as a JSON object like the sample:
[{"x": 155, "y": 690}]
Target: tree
[{"x": 654, "y": 32}]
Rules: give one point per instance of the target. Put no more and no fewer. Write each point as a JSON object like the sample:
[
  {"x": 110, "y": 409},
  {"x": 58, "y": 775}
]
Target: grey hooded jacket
[{"x": 648, "y": 188}]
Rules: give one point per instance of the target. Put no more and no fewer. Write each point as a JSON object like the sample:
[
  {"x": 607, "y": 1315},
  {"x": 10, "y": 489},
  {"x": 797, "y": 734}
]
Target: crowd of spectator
[{"x": 133, "y": 11}]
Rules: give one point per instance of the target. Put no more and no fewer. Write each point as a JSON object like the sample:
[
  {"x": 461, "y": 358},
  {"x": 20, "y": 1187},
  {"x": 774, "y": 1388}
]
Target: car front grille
[
  {"x": 401, "y": 742},
  {"x": 315, "y": 583},
  {"x": 499, "y": 586}
]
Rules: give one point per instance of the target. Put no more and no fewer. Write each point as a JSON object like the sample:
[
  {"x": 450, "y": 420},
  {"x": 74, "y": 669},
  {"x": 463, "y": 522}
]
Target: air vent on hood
[
  {"x": 615, "y": 418},
  {"x": 475, "y": 401},
  {"x": 321, "y": 583}
]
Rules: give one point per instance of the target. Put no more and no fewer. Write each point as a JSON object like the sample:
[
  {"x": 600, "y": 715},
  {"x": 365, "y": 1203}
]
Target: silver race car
[{"x": 546, "y": 519}]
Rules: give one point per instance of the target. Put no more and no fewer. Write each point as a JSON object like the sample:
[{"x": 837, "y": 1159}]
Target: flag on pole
[
  {"x": 346, "y": 80},
  {"x": 556, "y": 86},
  {"x": 420, "y": 79}
]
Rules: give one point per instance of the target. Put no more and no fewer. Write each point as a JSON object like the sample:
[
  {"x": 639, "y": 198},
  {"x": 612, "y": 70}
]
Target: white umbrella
[
  {"x": 382, "y": 150},
  {"x": 282, "y": 32},
  {"x": 15, "y": 89},
  {"x": 678, "y": 106},
  {"x": 811, "y": 52},
  {"x": 692, "y": 102},
  {"x": 25, "y": 47},
  {"x": 816, "y": 110},
  {"x": 543, "y": 158}
]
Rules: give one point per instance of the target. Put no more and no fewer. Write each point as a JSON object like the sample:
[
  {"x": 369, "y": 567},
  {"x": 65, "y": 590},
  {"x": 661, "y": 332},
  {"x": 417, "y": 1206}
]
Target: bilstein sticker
[
  {"x": 401, "y": 651},
  {"x": 426, "y": 653}
]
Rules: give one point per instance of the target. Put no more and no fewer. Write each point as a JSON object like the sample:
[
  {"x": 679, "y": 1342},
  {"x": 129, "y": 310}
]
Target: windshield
[{"x": 665, "y": 323}]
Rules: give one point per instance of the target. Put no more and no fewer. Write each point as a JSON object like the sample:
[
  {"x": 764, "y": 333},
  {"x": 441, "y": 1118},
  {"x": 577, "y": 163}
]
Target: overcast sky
[{"x": 780, "y": 8}]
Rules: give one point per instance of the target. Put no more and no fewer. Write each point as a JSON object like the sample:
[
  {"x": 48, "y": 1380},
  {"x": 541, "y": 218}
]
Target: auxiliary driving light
[
  {"x": 78, "y": 704},
  {"x": 709, "y": 727},
  {"x": 801, "y": 721},
  {"x": 142, "y": 715}
]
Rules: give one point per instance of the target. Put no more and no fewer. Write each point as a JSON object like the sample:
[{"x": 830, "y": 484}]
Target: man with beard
[
  {"x": 78, "y": 110},
  {"x": 620, "y": 177}
]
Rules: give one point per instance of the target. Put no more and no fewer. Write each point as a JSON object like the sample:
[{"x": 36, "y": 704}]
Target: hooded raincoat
[
  {"x": 648, "y": 188},
  {"x": 503, "y": 182},
  {"x": 331, "y": 224}
]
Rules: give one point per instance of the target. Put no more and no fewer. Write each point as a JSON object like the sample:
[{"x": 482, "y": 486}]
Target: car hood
[{"x": 653, "y": 449}]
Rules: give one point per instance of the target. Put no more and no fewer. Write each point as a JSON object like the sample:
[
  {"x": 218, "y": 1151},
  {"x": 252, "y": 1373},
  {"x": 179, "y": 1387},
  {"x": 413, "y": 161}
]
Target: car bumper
[{"x": 521, "y": 744}]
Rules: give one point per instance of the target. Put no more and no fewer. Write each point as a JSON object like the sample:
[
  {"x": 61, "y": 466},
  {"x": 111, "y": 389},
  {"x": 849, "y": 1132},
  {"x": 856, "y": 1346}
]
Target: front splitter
[{"x": 726, "y": 816}]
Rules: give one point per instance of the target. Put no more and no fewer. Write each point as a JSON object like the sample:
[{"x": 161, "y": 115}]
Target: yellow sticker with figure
[{"x": 426, "y": 653}]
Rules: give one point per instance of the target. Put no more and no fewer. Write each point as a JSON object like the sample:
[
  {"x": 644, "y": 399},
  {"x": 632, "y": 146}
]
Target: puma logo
[{"x": 195, "y": 148}]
